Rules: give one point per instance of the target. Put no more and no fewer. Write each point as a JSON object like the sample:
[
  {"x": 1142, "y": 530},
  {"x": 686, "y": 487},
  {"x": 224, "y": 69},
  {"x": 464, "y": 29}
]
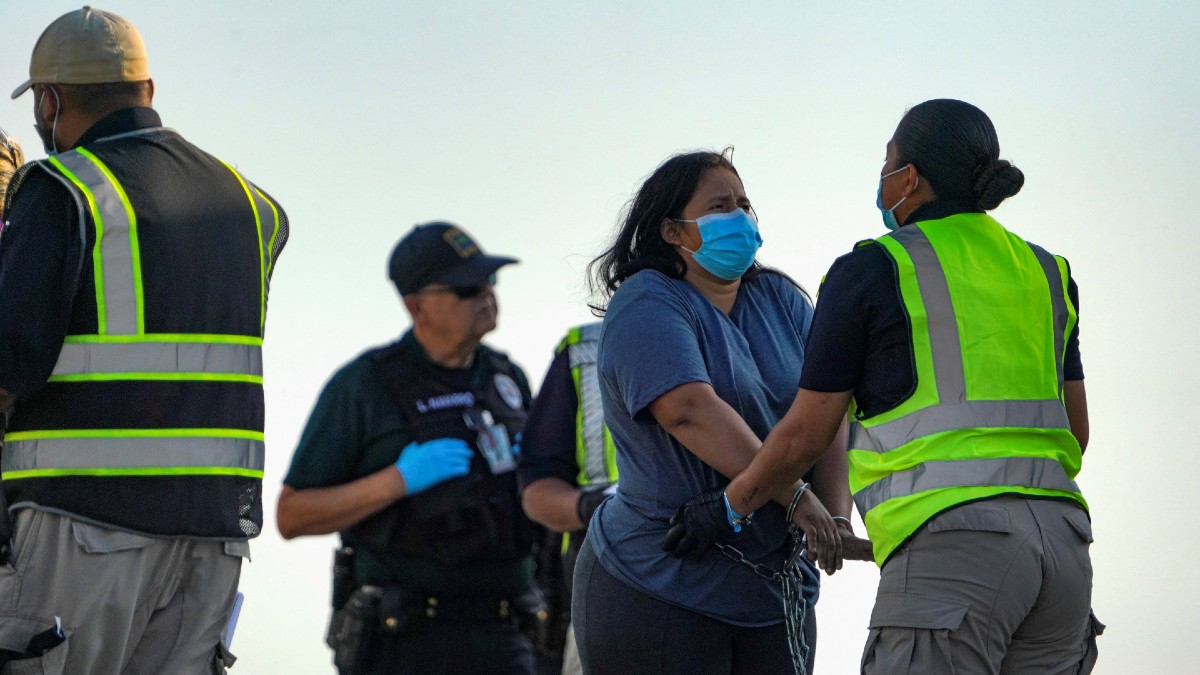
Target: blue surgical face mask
[
  {"x": 728, "y": 242},
  {"x": 889, "y": 215}
]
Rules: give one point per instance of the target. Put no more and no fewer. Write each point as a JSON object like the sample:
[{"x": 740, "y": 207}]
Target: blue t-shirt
[{"x": 660, "y": 333}]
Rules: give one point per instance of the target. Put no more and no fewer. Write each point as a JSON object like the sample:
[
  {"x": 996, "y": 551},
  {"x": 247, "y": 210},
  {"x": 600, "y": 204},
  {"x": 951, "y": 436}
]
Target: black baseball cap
[{"x": 440, "y": 253}]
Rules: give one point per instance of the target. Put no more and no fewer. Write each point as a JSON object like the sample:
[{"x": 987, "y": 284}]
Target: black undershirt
[
  {"x": 39, "y": 260},
  {"x": 860, "y": 338}
]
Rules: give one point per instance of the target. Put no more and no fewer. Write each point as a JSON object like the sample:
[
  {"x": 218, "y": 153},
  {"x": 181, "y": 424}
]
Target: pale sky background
[{"x": 531, "y": 124}]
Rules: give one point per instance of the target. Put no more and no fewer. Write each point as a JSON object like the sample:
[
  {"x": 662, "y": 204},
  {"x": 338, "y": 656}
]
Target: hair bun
[{"x": 996, "y": 181}]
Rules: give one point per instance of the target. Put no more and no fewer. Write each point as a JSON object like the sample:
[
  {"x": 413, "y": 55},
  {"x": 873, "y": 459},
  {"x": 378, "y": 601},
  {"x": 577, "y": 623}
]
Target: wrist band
[{"x": 736, "y": 521}]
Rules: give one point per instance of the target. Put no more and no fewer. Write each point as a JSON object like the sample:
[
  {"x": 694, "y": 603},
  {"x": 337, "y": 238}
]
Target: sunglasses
[{"x": 464, "y": 292}]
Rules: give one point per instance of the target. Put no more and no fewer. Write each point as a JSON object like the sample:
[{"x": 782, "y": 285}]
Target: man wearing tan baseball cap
[
  {"x": 133, "y": 286},
  {"x": 81, "y": 48}
]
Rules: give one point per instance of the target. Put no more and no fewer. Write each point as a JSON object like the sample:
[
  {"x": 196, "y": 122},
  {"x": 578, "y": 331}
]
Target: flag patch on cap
[{"x": 460, "y": 242}]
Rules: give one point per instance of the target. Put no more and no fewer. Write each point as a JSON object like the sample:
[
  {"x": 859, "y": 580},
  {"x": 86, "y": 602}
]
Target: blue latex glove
[{"x": 424, "y": 465}]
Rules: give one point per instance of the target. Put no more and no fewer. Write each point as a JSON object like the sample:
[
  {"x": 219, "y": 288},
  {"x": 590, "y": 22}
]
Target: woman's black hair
[
  {"x": 639, "y": 244},
  {"x": 954, "y": 146}
]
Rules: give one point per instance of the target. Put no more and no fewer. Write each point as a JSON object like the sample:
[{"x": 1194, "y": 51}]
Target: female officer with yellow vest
[{"x": 954, "y": 345}]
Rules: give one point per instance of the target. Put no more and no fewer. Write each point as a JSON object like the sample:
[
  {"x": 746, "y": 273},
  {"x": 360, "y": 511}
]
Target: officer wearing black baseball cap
[
  {"x": 440, "y": 253},
  {"x": 409, "y": 454}
]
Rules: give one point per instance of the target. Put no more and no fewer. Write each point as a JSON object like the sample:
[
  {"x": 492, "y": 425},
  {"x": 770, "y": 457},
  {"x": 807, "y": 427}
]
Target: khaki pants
[
  {"x": 128, "y": 604},
  {"x": 998, "y": 586}
]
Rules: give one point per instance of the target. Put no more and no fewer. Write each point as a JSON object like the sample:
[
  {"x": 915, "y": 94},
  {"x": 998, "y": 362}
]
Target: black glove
[
  {"x": 590, "y": 499},
  {"x": 698, "y": 524}
]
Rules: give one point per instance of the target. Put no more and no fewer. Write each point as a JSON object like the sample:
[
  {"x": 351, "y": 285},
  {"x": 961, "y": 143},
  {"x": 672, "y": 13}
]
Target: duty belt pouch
[
  {"x": 399, "y": 610},
  {"x": 351, "y": 628}
]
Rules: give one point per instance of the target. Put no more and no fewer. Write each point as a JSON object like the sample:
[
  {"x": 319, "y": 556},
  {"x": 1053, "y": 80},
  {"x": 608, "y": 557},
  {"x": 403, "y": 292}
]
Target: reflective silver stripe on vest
[
  {"x": 956, "y": 413},
  {"x": 943, "y": 328},
  {"x": 78, "y": 358},
  {"x": 1031, "y": 472},
  {"x": 1059, "y": 302},
  {"x": 1046, "y": 414},
  {"x": 582, "y": 357},
  {"x": 120, "y": 295},
  {"x": 83, "y": 453},
  {"x": 83, "y": 210}
]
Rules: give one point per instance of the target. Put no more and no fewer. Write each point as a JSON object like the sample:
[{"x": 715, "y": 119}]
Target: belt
[{"x": 469, "y": 609}]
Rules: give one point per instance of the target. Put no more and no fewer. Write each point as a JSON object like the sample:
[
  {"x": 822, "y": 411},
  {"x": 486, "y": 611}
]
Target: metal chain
[
  {"x": 795, "y": 610},
  {"x": 759, "y": 568}
]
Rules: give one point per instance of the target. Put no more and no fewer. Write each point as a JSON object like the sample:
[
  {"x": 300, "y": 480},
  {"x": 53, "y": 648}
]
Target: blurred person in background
[
  {"x": 11, "y": 159},
  {"x": 568, "y": 467},
  {"x": 409, "y": 455}
]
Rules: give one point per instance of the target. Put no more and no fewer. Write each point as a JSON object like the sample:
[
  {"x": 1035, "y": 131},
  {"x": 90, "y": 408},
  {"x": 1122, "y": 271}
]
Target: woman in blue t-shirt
[{"x": 700, "y": 354}]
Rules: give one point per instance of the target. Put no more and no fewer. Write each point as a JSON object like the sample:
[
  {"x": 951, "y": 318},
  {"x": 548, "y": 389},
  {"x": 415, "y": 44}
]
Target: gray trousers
[
  {"x": 128, "y": 604},
  {"x": 997, "y": 586}
]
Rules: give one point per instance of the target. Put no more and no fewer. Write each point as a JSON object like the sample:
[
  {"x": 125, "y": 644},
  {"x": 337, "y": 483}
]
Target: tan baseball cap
[{"x": 87, "y": 46}]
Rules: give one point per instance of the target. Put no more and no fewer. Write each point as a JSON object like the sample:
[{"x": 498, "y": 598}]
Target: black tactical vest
[{"x": 467, "y": 519}]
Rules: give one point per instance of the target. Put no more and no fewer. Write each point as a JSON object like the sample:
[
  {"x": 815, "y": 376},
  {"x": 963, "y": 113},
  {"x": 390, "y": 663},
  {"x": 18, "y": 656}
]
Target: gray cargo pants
[
  {"x": 997, "y": 586},
  {"x": 129, "y": 604}
]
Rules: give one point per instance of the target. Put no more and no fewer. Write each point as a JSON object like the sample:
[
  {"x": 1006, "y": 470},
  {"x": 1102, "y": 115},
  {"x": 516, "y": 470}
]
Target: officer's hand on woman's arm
[
  {"x": 794, "y": 446},
  {"x": 324, "y": 510},
  {"x": 831, "y": 485}
]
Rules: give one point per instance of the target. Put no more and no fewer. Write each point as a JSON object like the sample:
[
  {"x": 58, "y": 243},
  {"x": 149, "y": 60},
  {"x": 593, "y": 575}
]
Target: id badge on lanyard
[{"x": 492, "y": 440}]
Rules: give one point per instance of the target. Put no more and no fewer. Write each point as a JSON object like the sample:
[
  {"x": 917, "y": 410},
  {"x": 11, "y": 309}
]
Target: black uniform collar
[
  {"x": 122, "y": 121},
  {"x": 943, "y": 208}
]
